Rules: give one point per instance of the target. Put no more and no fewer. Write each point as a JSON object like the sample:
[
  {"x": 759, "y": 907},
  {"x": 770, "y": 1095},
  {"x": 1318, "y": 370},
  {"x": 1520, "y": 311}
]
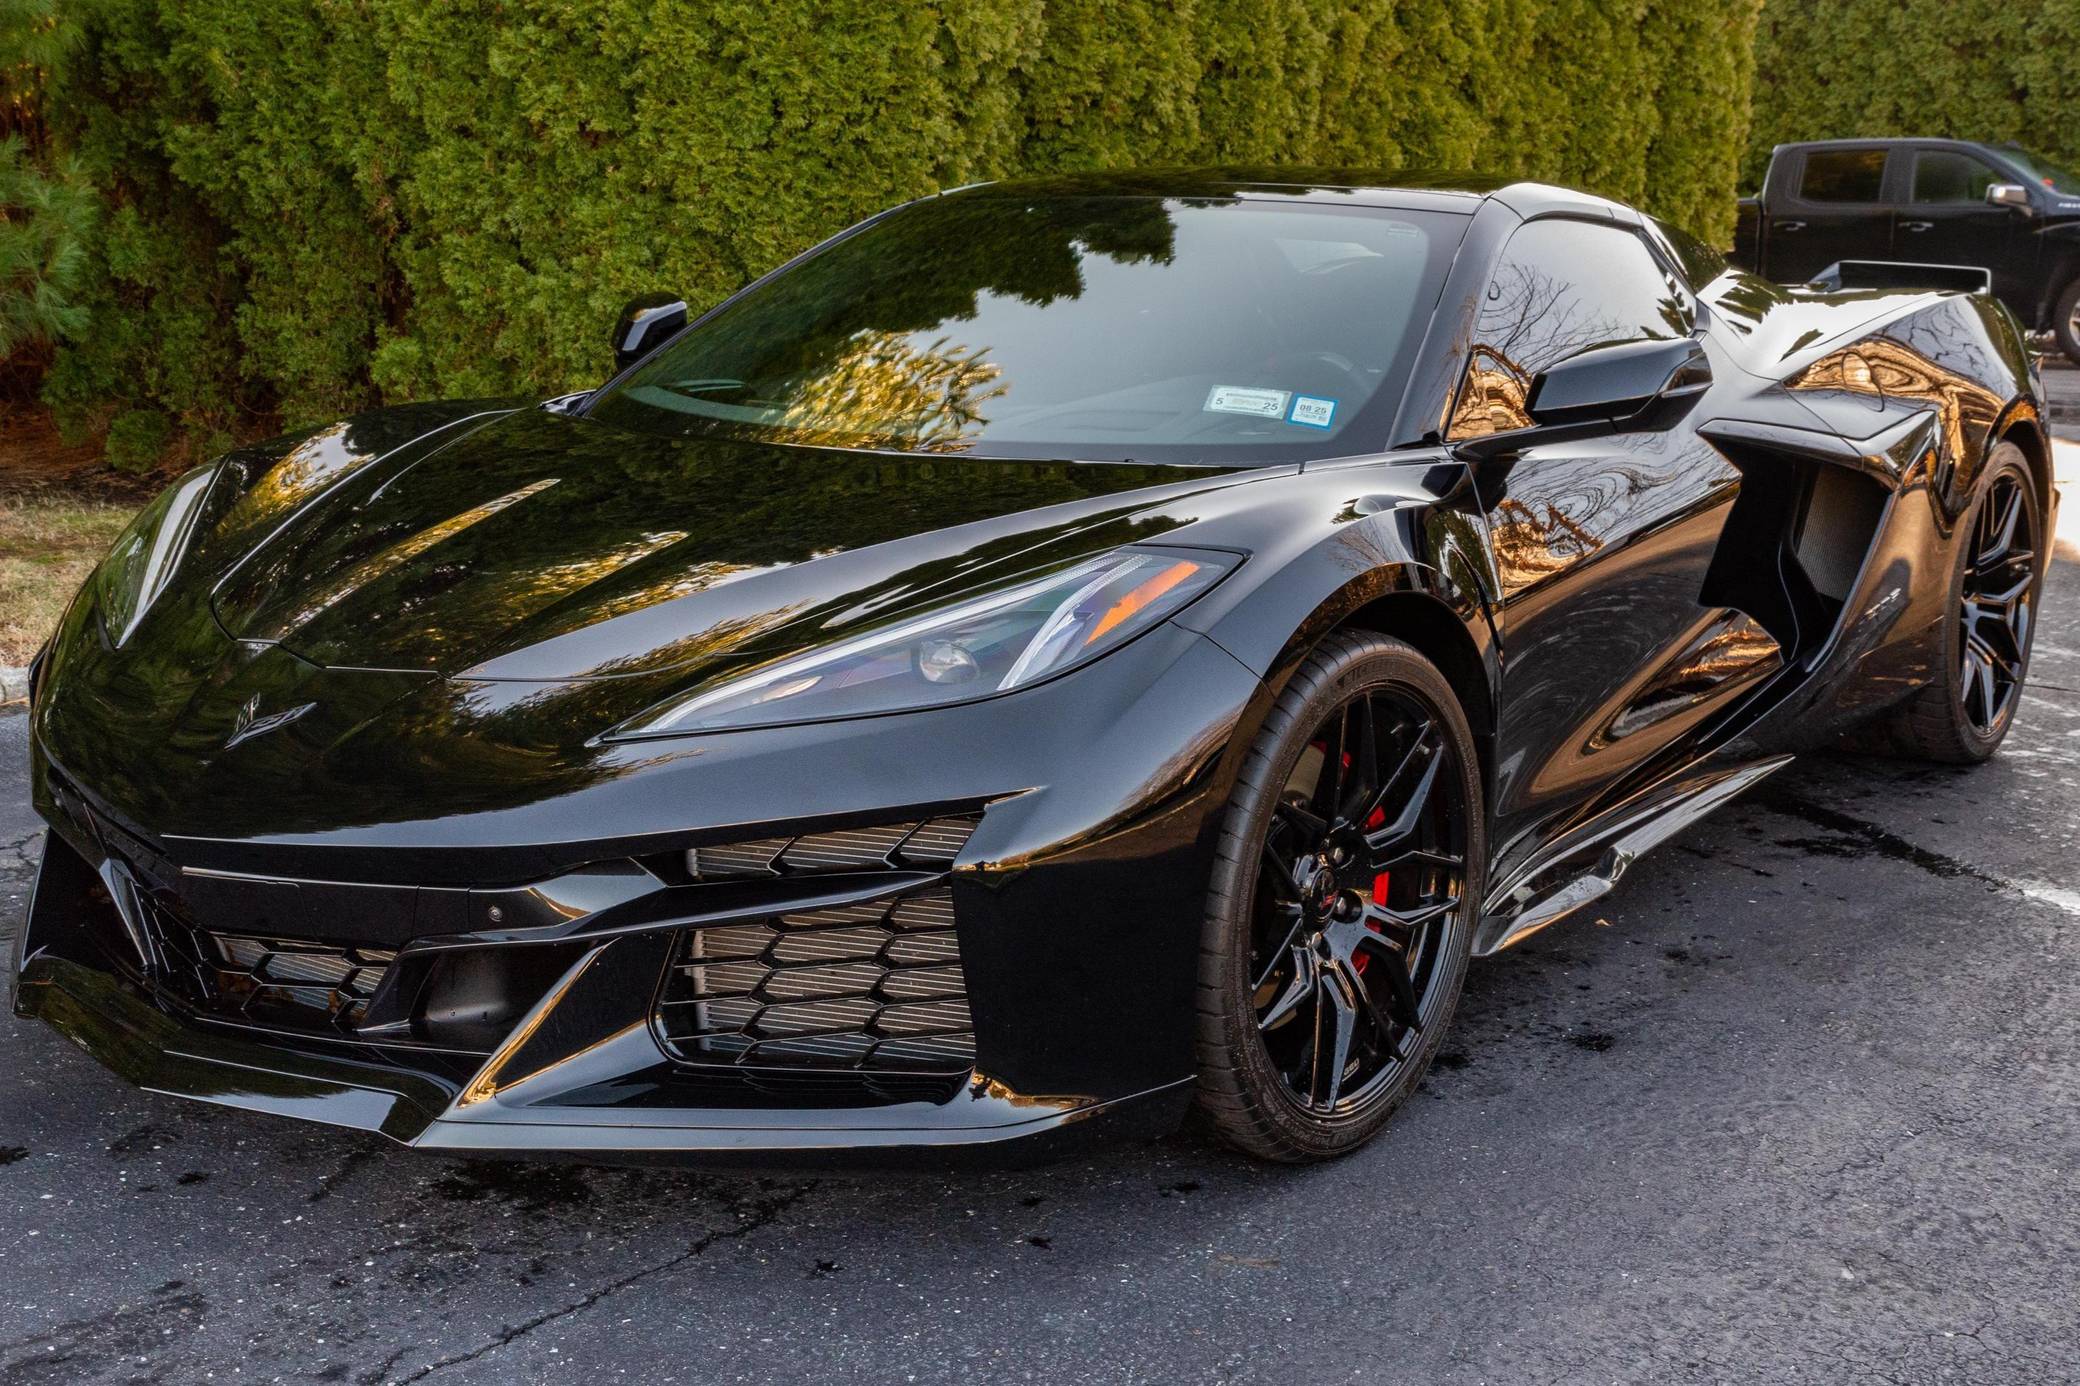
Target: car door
[
  {"x": 1948, "y": 221},
  {"x": 1601, "y": 545},
  {"x": 1832, "y": 207}
]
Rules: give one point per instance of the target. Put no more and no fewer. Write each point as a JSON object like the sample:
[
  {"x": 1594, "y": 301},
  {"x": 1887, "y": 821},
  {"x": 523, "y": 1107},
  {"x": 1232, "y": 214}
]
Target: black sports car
[{"x": 1054, "y": 655}]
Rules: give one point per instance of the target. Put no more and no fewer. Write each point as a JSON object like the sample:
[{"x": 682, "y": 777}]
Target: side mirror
[
  {"x": 1610, "y": 384},
  {"x": 645, "y": 322},
  {"x": 2008, "y": 195}
]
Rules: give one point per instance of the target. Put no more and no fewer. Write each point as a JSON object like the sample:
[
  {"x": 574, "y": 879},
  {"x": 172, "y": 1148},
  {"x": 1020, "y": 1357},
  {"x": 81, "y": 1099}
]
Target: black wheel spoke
[
  {"x": 1276, "y": 871},
  {"x": 1341, "y": 1014},
  {"x": 1419, "y": 856},
  {"x": 1363, "y": 781},
  {"x": 1414, "y": 756},
  {"x": 1280, "y": 953},
  {"x": 1305, "y": 982},
  {"x": 1402, "y": 1002},
  {"x": 1306, "y": 823},
  {"x": 1328, "y": 787},
  {"x": 1406, "y": 923},
  {"x": 1382, "y": 1023},
  {"x": 1402, "y": 824}
]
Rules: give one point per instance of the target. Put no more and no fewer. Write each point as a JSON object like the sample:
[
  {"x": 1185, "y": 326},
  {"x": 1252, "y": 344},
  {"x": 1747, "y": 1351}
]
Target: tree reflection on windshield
[{"x": 1201, "y": 329}]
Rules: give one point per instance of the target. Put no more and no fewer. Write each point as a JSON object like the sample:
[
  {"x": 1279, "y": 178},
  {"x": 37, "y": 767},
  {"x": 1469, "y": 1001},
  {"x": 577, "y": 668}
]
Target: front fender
[{"x": 1351, "y": 538}]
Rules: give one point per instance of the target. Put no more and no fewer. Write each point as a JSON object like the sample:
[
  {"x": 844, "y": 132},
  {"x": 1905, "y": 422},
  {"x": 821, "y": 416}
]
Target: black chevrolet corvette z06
[{"x": 1055, "y": 656}]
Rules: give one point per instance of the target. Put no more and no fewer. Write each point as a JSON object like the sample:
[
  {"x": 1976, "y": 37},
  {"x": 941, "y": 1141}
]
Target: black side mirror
[
  {"x": 645, "y": 322},
  {"x": 1617, "y": 382},
  {"x": 1602, "y": 389}
]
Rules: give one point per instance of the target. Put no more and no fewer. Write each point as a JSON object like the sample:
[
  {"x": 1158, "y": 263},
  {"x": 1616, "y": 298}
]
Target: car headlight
[
  {"x": 142, "y": 562},
  {"x": 988, "y": 645}
]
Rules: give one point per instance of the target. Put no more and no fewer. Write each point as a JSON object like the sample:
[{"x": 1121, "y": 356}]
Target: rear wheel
[
  {"x": 1963, "y": 714},
  {"x": 1340, "y": 913}
]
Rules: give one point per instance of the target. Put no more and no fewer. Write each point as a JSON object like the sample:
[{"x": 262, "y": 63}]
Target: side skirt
[{"x": 1587, "y": 864}]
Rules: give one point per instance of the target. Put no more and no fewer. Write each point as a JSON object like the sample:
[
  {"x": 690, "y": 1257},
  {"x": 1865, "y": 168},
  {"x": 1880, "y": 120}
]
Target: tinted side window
[
  {"x": 1699, "y": 263},
  {"x": 1560, "y": 286},
  {"x": 1944, "y": 175},
  {"x": 1843, "y": 175}
]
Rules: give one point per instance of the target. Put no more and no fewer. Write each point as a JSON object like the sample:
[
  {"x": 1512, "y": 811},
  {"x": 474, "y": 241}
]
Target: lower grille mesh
[
  {"x": 291, "y": 984},
  {"x": 928, "y": 845},
  {"x": 874, "y": 987}
]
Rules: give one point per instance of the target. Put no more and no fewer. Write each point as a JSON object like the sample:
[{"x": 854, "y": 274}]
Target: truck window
[
  {"x": 1944, "y": 175},
  {"x": 1843, "y": 175}
]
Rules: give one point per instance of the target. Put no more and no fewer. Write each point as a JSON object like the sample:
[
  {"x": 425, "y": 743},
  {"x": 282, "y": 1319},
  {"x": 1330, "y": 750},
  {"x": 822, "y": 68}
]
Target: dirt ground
[{"x": 60, "y": 508}]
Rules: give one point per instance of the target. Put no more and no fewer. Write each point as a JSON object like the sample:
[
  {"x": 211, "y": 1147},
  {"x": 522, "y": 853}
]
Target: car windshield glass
[
  {"x": 1228, "y": 331},
  {"x": 2046, "y": 173}
]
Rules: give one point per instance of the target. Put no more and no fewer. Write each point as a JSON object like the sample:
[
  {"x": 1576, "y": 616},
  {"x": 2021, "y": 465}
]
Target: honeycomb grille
[
  {"x": 874, "y": 987},
  {"x": 928, "y": 845},
  {"x": 278, "y": 983}
]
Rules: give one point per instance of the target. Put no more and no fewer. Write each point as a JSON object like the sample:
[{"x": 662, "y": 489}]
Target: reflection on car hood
[{"x": 548, "y": 548}]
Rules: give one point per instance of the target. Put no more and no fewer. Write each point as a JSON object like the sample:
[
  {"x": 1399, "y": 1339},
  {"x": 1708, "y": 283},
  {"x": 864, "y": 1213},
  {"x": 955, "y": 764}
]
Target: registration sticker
[
  {"x": 1240, "y": 399},
  {"x": 1313, "y": 412}
]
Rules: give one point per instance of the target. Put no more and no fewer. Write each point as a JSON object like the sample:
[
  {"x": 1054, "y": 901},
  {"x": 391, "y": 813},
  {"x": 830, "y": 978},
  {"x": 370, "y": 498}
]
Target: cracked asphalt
[{"x": 1798, "y": 1103}]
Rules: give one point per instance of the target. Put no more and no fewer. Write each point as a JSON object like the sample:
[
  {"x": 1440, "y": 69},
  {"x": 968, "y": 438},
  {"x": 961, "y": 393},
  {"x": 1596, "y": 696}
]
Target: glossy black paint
[
  {"x": 371, "y": 707},
  {"x": 1906, "y": 210}
]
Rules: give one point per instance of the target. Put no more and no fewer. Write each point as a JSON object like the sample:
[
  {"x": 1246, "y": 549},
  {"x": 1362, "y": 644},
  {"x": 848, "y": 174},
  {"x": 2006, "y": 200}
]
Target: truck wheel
[{"x": 2065, "y": 321}]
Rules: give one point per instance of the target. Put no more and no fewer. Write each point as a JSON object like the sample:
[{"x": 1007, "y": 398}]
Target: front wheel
[{"x": 1340, "y": 914}]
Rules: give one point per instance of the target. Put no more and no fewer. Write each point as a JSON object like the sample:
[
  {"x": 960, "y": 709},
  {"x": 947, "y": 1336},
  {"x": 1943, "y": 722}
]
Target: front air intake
[
  {"x": 272, "y": 983},
  {"x": 869, "y": 988},
  {"x": 922, "y": 846}
]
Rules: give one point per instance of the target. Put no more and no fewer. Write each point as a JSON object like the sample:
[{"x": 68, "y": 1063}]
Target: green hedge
[
  {"x": 316, "y": 203},
  {"x": 1962, "y": 69}
]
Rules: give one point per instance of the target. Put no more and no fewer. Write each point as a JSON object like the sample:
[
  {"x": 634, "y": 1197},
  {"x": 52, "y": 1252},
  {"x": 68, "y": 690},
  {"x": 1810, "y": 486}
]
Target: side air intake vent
[
  {"x": 930, "y": 845},
  {"x": 872, "y": 988}
]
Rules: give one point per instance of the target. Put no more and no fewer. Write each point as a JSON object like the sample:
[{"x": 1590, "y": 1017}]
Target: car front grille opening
[
  {"x": 275, "y": 983},
  {"x": 872, "y": 989},
  {"x": 928, "y": 845}
]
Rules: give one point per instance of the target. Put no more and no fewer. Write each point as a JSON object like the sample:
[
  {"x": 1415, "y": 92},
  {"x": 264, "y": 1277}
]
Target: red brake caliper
[{"x": 1379, "y": 888}]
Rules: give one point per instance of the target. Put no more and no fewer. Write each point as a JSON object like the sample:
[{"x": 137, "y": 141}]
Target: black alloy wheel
[
  {"x": 1969, "y": 704},
  {"x": 1998, "y": 602},
  {"x": 1340, "y": 924}
]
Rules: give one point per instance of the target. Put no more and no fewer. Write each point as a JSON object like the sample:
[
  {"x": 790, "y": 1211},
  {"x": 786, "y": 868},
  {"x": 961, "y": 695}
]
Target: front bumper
[
  {"x": 1076, "y": 908},
  {"x": 576, "y": 1057}
]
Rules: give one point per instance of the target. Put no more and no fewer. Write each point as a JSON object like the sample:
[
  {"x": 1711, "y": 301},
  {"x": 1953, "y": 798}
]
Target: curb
[{"x": 14, "y": 684}]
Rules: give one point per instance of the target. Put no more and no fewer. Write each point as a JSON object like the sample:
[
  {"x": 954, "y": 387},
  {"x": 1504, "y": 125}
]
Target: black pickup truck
[{"x": 1927, "y": 202}]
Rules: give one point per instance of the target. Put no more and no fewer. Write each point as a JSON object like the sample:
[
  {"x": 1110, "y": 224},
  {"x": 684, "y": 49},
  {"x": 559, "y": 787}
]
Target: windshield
[
  {"x": 1098, "y": 328},
  {"x": 2045, "y": 172}
]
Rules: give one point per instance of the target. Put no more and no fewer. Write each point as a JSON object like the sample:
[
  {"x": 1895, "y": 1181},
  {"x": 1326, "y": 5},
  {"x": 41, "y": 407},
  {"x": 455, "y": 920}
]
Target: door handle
[
  {"x": 1791, "y": 226},
  {"x": 1917, "y": 226}
]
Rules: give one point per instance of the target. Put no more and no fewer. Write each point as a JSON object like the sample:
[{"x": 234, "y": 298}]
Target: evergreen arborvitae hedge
[
  {"x": 1960, "y": 69},
  {"x": 313, "y": 204}
]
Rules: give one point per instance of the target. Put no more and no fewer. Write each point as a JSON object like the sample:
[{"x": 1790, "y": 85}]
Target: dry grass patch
[{"x": 49, "y": 542}]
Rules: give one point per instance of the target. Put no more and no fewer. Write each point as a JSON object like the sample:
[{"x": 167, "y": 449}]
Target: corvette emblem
[{"x": 250, "y": 724}]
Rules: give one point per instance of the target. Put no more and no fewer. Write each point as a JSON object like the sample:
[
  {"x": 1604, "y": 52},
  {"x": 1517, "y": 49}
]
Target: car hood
[{"x": 543, "y": 547}]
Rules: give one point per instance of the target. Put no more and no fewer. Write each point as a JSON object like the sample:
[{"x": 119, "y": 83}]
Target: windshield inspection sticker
[
  {"x": 1238, "y": 399},
  {"x": 1315, "y": 413}
]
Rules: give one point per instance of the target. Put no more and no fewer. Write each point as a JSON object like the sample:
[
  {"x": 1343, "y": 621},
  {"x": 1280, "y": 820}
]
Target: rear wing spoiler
[{"x": 1898, "y": 274}]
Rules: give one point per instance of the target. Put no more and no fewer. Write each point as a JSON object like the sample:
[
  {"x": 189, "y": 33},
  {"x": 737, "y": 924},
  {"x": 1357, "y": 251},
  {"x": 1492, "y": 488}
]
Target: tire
[
  {"x": 1961, "y": 716},
  {"x": 2063, "y": 324},
  {"x": 1283, "y": 912}
]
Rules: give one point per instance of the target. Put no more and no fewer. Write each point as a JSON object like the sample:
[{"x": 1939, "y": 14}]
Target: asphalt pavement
[{"x": 1798, "y": 1103}]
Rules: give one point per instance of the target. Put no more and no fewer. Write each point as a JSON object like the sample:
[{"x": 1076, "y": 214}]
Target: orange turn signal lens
[{"x": 1141, "y": 596}]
